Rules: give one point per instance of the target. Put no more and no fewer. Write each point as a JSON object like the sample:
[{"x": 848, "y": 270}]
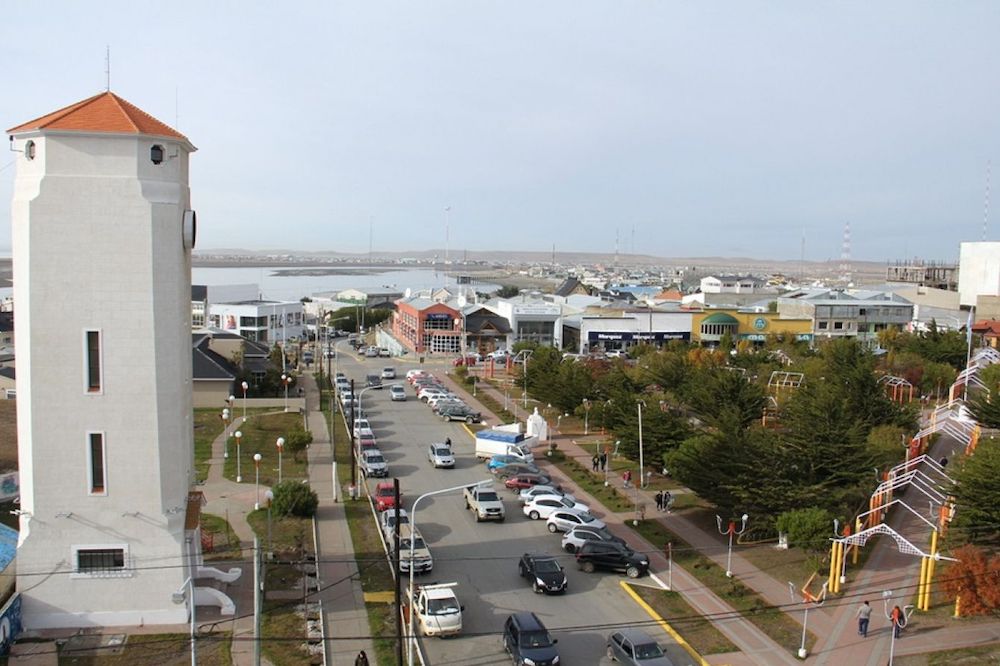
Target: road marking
[{"x": 663, "y": 623}]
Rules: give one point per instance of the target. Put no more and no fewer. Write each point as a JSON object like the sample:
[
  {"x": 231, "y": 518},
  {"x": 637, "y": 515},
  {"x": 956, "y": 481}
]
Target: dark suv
[
  {"x": 611, "y": 555},
  {"x": 528, "y": 641},
  {"x": 460, "y": 413}
]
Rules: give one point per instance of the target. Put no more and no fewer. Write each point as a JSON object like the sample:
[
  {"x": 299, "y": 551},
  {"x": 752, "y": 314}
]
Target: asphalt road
[{"x": 483, "y": 557}]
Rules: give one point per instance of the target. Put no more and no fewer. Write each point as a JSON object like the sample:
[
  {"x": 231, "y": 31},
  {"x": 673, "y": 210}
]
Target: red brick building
[{"x": 425, "y": 326}]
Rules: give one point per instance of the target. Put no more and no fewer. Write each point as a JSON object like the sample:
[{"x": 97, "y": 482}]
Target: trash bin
[
  {"x": 421, "y": 359},
  {"x": 352, "y": 491}
]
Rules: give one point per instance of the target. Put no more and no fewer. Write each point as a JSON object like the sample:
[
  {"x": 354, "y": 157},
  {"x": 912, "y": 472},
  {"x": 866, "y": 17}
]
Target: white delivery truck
[{"x": 505, "y": 439}]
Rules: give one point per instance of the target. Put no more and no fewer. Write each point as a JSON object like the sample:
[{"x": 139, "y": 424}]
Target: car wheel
[
  {"x": 553, "y": 528},
  {"x": 444, "y": 417},
  {"x": 537, "y": 589},
  {"x": 587, "y": 567},
  {"x": 632, "y": 571},
  {"x": 469, "y": 420},
  {"x": 533, "y": 515},
  {"x": 570, "y": 548},
  {"x": 467, "y": 507},
  {"x": 611, "y": 654},
  {"x": 520, "y": 570}
]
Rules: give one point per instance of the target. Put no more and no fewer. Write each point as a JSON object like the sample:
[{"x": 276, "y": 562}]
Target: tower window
[
  {"x": 29, "y": 150},
  {"x": 95, "y": 464},
  {"x": 101, "y": 560},
  {"x": 93, "y": 351},
  {"x": 156, "y": 154}
]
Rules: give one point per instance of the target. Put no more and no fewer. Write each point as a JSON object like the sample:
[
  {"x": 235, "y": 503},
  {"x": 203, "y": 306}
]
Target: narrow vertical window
[
  {"x": 95, "y": 451},
  {"x": 93, "y": 361}
]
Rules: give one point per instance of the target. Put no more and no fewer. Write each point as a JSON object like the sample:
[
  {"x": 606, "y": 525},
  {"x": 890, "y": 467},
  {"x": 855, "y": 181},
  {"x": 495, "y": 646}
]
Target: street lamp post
[
  {"x": 806, "y": 602},
  {"x": 245, "y": 387},
  {"x": 256, "y": 465},
  {"x": 281, "y": 445},
  {"x": 284, "y": 380},
  {"x": 413, "y": 523},
  {"x": 239, "y": 475},
  {"x": 731, "y": 530},
  {"x": 639, "y": 405},
  {"x": 225, "y": 432},
  {"x": 586, "y": 417}
]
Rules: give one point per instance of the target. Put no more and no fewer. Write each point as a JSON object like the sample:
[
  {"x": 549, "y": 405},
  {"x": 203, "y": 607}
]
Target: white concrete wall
[
  {"x": 978, "y": 271},
  {"x": 94, "y": 217}
]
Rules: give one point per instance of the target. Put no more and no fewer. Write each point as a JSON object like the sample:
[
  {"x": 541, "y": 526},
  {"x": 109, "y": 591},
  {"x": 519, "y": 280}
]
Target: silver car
[
  {"x": 564, "y": 521},
  {"x": 440, "y": 455},
  {"x": 397, "y": 393},
  {"x": 636, "y": 648},
  {"x": 538, "y": 491}
]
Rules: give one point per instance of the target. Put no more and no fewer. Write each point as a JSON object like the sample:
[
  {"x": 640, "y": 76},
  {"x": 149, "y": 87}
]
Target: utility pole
[
  {"x": 257, "y": 598},
  {"x": 350, "y": 429},
  {"x": 395, "y": 567}
]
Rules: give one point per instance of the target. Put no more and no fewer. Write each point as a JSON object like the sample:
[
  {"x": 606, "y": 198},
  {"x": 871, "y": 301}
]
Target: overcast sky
[{"x": 686, "y": 128}]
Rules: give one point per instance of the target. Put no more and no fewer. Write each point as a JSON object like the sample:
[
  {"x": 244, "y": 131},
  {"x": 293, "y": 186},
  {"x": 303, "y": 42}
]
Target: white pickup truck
[
  {"x": 485, "y": 503},
  {"x": 438, "y": 612}
]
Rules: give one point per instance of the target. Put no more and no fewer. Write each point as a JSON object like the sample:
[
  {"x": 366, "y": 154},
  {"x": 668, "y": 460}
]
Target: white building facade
[
  {"x": 978, "y": 271},
  {"x": 260, "y": 321},
  {"x": 108, "y": 523}
]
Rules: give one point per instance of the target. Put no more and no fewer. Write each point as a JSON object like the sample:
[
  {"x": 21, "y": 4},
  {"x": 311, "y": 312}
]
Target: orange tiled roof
[
  {"x": 669, "y": 295},
  {"x": 987, "y": 327},
  {"x": 104, "y": 112}
]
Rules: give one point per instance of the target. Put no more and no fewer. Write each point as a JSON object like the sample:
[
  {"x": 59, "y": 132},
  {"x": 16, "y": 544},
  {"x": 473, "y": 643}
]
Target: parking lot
[{"x": 483, "y": 557}]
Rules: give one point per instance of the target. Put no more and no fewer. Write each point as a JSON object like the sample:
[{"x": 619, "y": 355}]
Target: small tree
[
  {"x": 975, "y": 580},
  {"x": 294, "y": 498},
  {"x": 297, "y": 441},
  {"x": 808, "y": 528}
]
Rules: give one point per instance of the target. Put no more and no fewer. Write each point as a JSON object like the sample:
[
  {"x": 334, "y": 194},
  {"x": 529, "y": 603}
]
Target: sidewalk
[{"x": 344, "y": 616}]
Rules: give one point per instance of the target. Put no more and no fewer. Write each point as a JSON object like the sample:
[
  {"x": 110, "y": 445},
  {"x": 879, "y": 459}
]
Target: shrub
[
  {"x": 808, "y": 528},
  {"x": 297, "y": 441},
  {"x": 294, "y": 498}
]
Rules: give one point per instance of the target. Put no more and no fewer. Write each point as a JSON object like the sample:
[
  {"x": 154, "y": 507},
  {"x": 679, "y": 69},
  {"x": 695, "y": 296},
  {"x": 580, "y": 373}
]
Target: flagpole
[{"x": 968, "y": 352}]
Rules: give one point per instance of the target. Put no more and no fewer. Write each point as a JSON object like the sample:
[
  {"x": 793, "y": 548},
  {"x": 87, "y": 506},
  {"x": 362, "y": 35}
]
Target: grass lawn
[
  {"x": 984, "y": 654},
  {"x": 260, "y": 435},
  {"x": 487, "y": 401},
  {"x": 207, "y": 426},
  {"x": 225, "y": 543},
  {"x": 159, "y": 650},
  {"x": 685, "y": 620},
  {"x": 780, "y": 627},
  {"x": 592, "y": 483},
  {"x": 290, "y": 536},
  {"x": 283, "y": 630}
]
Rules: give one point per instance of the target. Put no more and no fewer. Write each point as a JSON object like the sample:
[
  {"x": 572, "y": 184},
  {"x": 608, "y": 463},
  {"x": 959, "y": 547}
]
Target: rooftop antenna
[
  {"x": 371, "y": 232},
  {"x": 986, "y": 205},
  {"x": 802, "y": 258},
  {"x": 107, "y": 68}
]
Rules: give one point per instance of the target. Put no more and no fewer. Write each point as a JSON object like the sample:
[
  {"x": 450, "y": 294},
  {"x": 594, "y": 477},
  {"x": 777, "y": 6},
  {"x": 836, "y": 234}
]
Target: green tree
[
  {"x": 507, "y": 291},
  {"x": 977, "y": 494},
  {"x": 294, "y": 498},
  {"x": 298, "y": 441},
  {"x": 808, "y": 528}
]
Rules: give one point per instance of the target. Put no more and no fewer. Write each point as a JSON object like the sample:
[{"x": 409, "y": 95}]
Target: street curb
[{"x": 663, "y": 623}]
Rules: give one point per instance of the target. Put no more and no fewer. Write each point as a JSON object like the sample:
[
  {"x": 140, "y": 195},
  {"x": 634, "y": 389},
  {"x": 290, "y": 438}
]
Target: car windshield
[
  {"x": 443, "y": 451},
  {"x": 648, "y": 651},
  {"x": 535, "y": 639},
  {"x": 375, "y": 458},
  {"x": 586, "y": 517},
  {"x": 418, "y": 543},
  {"x": 488, "y": 496},
  {"x": 443, "y": 606},
  {"x": 390, "y": 521},
  {"x": 386, "y": 492},
  {"x": 547, "y": 566}
]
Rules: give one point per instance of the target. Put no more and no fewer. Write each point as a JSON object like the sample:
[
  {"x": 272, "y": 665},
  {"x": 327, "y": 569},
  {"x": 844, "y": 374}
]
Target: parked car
[
  {"x": 635, "y": 647},
  {"x": 528, "y": 642},
  {"x": 388, "y": 373},
  {"x": 384, "y": 353},
  {"x": 465, "y": 360},
  {"x": 513, "y": 469},
  {"x": 578, "y": 536},
  {"x": 498, "y": 356},
  {"x": 366, "y": 444},
  {"x": 362, "y": 427},
  {"x": 616, "y": 353},
  {"x": 440, "y": 455},
  {"x": 387, "y": 521},
  {"x": 459, "y": 412},
  {"x": 385, "y": 496},
  {"x": 519, "y": 482},
  {"x": 542, "y": 507},
  {"x": 415, "y": 372},
  {"x": 502, "y": 460},
  {"x": 410, "y": 541},
  {"x": 614, "y": 556},
  {"x": 426, "y": 392},
  {"x": 435, "y": 398},
  {"x": 564, "y": 521},
  {"x": 537, "y": 491},
  {"x": 544, "y": 572},
  {"x": 373, "y": 464},
  {"x": 371, "y": 352},
  {"x": 439, "y": 405},
  {"x": 397, "y": 393}
]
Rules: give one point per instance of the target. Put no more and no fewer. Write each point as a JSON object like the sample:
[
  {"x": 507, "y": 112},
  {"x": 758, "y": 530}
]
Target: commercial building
[
  {"x": 424, "y": 325},
  {"x": 532, "y": 319},
  {"x": 259, "y": 320},
  {"x": 838, "y": 313},
  {"x": 621, "y": 329},
  {"x": 109, "y": 520},
  {"x": 731, "y": 284},
  {"x": 711, "y": 326}
]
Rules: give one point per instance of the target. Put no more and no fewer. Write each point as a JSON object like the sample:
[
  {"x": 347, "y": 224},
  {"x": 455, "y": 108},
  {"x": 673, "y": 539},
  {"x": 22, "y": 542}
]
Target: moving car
[
  {"x": 440, "y": 455},
  {"x": 397, "y": 393},
  {"x": 388, "y": 373},
  {"x": 542, "y": 507},
  {"x": 578, "y": 536},
  {"x": 544, "y": 572},
  {"x": 564, "y": 521},
  {"x": 610, "y": 555},
  {"x": 373, "y": 381},
  {"x": 528, "y": 642},
  {"x": 635, "y": 647}
]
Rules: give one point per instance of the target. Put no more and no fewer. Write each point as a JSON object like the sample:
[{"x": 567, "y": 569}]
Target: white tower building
[{"x": 102, "y": 238}]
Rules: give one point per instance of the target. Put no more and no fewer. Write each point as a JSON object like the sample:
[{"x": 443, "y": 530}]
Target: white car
[
  {"x": 387, "y": 521},
  {"x": 539, "y": 491},
  {"x": 388, "y": 373},
  {"x": 373, "y": 464},
  {"x": 546, "y": 505},
  {"x": 440, "y": 455},
  {"x": 434, "y": 399},
  {"x": 564, "y": 521},
  {"x": 362, "y": 428},
  {"x": 413, "y": 374},
  {"x": 425, "y": 393},
  {"x": 397, "y": 393},
  {"x": 578, "y": 536}
]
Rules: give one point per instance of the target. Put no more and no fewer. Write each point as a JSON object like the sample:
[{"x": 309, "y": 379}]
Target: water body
[{"x": 292, "y": 283}]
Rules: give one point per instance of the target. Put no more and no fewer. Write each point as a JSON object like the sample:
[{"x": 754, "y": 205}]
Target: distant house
[
  {"x": 731, "y": 284},
  {"x": 571, "y": 287},
  {"x": 989, "y": 330},
  {"x": 212, "y": 374},
  {"x": 6, "y": 329},
  {"x": 7, "y": 386}
]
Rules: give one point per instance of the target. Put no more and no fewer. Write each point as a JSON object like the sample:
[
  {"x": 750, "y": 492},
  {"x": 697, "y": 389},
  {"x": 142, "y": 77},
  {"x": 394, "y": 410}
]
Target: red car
[
  {"x": 519, "y": 482},
  {"x": 385, "y": 496},
  {"x": 467, "y": 361}
]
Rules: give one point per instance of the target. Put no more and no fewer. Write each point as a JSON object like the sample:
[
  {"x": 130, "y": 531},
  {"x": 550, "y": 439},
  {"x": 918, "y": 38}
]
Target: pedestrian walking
[
  {"x": 944, "y": 463},
  {"x": 595, "y": 461},
  {"x": 668, "y": 500},
  {"x": 864, "y": 615},
  {"x": 659, "y": 500},
  {"x": 626, "y": 477},
  {"x": 898, "y": 621},
  {"x": 604, "y": 462},
  {"x": 361, "y": 659}
]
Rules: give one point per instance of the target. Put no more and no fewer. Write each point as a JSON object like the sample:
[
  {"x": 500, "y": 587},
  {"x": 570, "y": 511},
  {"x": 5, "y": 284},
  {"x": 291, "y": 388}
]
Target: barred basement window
[{"x": 100, "y": 560}]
